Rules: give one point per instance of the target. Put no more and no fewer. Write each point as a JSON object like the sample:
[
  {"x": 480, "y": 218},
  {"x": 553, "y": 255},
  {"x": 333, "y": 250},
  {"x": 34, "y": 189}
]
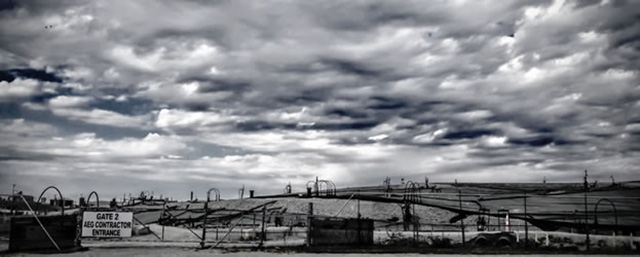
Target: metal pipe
[
  {"x": 164, "y": 209},
  {"x": 45, "y": 190},
  {"x": 615, "y": 212},
  {"x": 586, "y": 210},
  {"x": 309, "y": 221},
  {"x": 526, "y": 224},
  {"x": 204, "y": 223},
  {"x": 461, "y": 220},
  {"x": 97, "y": 199},
  {"x": 263, "y": 235},
  {"x": 217, "y": 196}
]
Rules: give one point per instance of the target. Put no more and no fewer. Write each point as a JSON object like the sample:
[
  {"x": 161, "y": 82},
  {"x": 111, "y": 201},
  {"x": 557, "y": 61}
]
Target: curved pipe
[
  {"x": 326, "y": 186},
  {"x": 322, "y": 186},
  {"x": 333, "y": 187},
  {"x": 615, "y": 212},
  {"x": 312, "y": 183},
  {"x": 217, "y": 194},
  {"x": 97, "y": 199},
  {"x": 44, "y": 191},
  {"x": 410, "y": 190}
]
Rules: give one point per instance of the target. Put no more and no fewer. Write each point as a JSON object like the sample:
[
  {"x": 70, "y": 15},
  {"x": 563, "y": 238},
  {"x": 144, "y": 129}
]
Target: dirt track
[{"x": 191, "y": 252}]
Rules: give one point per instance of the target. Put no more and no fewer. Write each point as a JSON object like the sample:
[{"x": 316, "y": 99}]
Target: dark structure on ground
[
  {"x": 28, "y": 235},
  {"x": 335, "y": 231}
]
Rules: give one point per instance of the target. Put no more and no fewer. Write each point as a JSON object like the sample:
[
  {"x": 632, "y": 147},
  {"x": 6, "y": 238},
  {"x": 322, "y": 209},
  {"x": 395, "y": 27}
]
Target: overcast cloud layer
[{"x": 175, "y": 96}]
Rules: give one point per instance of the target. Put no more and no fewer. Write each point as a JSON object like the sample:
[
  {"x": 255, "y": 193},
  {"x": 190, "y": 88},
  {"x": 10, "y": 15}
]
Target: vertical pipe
[
  {"x": 526, "y": 224},
  {"x": 164, "y": 209},
  {"x": 461, "y": 220},
  {"x": 13, "y": 200},
  {"x": 415, "y": 224},
  {"x": 309, "y": 219},
  {"x": 613, "y": 238},
  {"x": 79, "y": 219},
  {"x": 546, "y": 239},
  {"x": 204, "y": 225},
  {"x": 358, "y": 207},
  {"x": 263, "y": 235},
  {"x": 359, "y": 228},
  {"x": 586, "y": 210}
]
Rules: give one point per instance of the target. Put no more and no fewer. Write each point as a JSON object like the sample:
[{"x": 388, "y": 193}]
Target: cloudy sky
[{"x": 175, "y": 96}]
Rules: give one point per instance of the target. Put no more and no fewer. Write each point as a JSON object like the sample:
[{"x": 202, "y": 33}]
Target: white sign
[{"x": 107, "y": 224}]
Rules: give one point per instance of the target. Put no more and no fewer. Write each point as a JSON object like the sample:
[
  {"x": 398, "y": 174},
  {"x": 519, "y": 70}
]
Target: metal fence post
[
  {"x": 204, "y": 227},
  {"x": 263, "y": 236},
  {"x": 526, "y": 225},
  {"x": 164, "y": 209},
  {"x": 309, "y": 220},
  {"x": 462, "y": 219},
  {"x": 586, "y": 210}
]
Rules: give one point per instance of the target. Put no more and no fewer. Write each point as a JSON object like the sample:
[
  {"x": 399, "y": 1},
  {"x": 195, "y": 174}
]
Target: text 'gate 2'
[{"x": 107, "y": 224}]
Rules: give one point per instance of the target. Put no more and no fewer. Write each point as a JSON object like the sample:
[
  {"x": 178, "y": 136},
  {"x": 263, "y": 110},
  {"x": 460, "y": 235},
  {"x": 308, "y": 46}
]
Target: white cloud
[
  {"x": 175, "y": 118},
  {"x": 429, "y": 137},
  {"x": 69, "y": 101},
  {"x": 18, "y": 89},
  {"x": 102, "y": 117},
  {"x": 378, "y": 137}
]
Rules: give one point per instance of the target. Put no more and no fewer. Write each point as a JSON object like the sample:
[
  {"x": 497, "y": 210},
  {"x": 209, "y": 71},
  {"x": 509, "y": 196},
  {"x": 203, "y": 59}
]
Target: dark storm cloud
[
  {"x": 41, "y": 75},
  {"x": 8, "y": 5},
  {"x": 358, "y": 69},
  {"x": 538, "y": 141},
  {"x": 468, "y": 134}
]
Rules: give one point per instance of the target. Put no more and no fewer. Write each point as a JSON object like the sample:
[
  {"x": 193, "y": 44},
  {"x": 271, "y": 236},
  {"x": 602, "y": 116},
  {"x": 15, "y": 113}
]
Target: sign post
[{"x": 107, "y": 224}]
